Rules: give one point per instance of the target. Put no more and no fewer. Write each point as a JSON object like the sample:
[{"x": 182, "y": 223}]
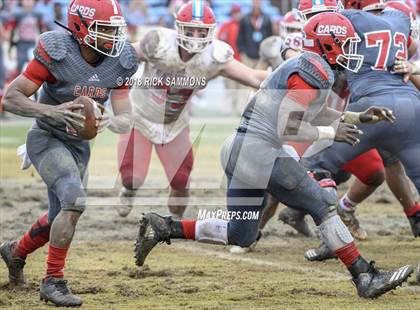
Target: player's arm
[
  {"x": 297, "y": 124},
  {"x": 121, "y": 121},
  {"x": 237, "y": 71},
  {"x": 17, "y": 100}
]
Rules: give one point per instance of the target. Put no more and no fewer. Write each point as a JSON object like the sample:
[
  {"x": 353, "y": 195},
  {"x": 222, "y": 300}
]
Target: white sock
[
  {"x": 212, "y": 231},
  {"x": 346, "y": 204}
]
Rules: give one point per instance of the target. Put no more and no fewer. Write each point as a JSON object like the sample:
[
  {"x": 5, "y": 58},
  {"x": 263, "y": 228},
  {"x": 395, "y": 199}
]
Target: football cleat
[
  {"x": 296, "y": 219},
  {"x": 374, "y": 283},
  {"x": 415, "y": 224},
  {"x": 350, "y": 220},
  {"x": 153, "y": 229},
  {"x": 15, "y": 264},
  {"x": 127, "y": 197},
  {"x": 418, "y": 273},
  {"x": 320, "y": 254},
  {"x": 56, "y": 291}
]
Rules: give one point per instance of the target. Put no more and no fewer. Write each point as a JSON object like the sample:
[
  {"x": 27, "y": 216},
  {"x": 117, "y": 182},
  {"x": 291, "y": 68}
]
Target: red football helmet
[
  {"x": 291, "y": 22},
  {"x": 308, "y": 7},
  {"x": 365, "y": 5},
  {"x": 87, "y": 20},
  {"x": 409, "y": 11},
  {"x": 195, "y": 15},
  {"x": 333, "y": 37}
]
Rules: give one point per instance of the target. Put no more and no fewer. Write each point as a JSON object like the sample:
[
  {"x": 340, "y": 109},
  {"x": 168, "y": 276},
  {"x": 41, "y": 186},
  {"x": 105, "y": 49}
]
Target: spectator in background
[
  {"x": 27, "y": 26},
  {"x": 59, "y": 16},
  {"x": 253, "y": 28},
  {"x": 229, "y": 30},
  {"x": 136, "y": 16},
  {"x": 46, "y": 9}
]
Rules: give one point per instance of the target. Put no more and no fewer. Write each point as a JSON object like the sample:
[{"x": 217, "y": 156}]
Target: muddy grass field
[{"x": 101, "y": 266}]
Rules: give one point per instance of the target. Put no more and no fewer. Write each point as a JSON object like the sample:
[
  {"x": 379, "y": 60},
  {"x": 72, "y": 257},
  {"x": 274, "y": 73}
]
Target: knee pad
[
  {"x": 212, "y": 231},
  {"x": 334, "y": 233},
  {"x": 71, "y": 195}
]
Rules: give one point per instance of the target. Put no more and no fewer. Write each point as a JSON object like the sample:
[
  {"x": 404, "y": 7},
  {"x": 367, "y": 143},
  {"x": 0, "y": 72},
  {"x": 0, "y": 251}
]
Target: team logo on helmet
[
  {"x": 333, "y": 37},
  {"x": 95, "y": 21}
]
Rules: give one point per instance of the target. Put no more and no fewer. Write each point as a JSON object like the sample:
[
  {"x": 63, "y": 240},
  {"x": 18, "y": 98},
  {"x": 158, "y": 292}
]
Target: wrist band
[{"x": 325, "y": 132}]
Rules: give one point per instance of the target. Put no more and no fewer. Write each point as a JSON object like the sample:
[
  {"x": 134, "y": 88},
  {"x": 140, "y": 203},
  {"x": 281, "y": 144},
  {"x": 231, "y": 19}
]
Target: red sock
[
  {"x": 34, "y": 238},
  {"x": 412, "y": 210},
  {"x": 55, "y": 262},
  {"x": 348, "y": 254},
  {"x": 188, "y": 227}
]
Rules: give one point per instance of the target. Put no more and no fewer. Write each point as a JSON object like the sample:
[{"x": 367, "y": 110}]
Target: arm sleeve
[
  {"x": 38, "y": 73},
  {"x": 299, "y": 91}
]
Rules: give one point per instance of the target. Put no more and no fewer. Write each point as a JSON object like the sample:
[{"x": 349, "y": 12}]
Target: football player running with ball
[
  {"x": 289, "y": 106},
  {"x": 88, "y": 61}
]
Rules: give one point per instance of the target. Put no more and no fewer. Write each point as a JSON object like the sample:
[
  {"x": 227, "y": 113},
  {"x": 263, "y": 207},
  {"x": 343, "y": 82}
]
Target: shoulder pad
[
  {"x": 271, "y": 47},
  {"x": 315, "y": 70},
  {"x": 155, "y": 42},
  {"x": 128, "y": 57},
  {"x": 54, "y": 43},
  {"x": 350, "y": 13},
  {"x": 222, "y": 52},
  {"x": 394, "y": 12}
]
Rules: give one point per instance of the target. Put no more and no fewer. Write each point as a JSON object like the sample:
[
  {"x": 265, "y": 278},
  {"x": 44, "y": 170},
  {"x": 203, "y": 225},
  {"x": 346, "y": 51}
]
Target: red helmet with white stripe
[
  {"x": 90, "y": 20},
  {"x": 409, "y": 11},
  {"x": 195, "y": 15},
  {"x": 365, "y": 5},
  {"x": 291, "y": 22},
  {"x": 332, "y": 36},
  {"x": 310, "y": 7}
]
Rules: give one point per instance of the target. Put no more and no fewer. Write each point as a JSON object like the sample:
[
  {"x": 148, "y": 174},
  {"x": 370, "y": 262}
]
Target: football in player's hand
[{"x": 92, "y": 111}]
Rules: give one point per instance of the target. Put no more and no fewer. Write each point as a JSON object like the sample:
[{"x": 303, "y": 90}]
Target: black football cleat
[
  {"x": 153, "y": 229},
  {"x": 415, "y": 224},
  {"x": 320, "y": 254},
  {"x": 296, "y": 219},
  {"x": 15, "y": 264},
  {"x": 374, "y": 283},
  {"x": 56, "y": 291}
]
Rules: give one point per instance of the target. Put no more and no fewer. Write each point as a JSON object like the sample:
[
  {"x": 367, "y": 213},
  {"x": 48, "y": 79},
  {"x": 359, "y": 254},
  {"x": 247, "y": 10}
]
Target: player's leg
[
  {"x": 303, "y": 192},
  {"x": 410, "y": 159},
  {"x": 369, "y": 170},
  {"x": 134, "y": 153},
  {"x": 60, "y": 169},
  {"x": 244, "y": 205},
  {"x": 400, "y": 186},
  {"x": 177, "y": 160}
]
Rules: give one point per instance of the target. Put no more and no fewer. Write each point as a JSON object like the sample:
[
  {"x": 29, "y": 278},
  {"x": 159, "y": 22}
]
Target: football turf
[{"x": 101, "y": 265}]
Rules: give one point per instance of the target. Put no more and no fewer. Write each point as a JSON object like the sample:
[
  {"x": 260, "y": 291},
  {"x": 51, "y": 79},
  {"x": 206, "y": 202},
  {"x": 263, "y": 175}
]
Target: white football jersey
[{"x": 167, "y": 83}]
